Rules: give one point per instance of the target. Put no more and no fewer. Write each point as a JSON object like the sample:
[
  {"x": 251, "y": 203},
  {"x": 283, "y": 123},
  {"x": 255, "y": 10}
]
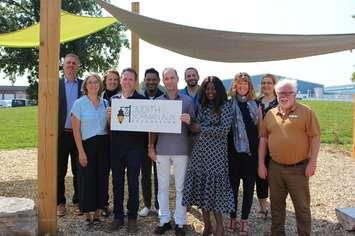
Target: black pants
[
  {"x": 242, "y": 166},
  {"x": 262, "y": 185},
  {"x": 93, "y": 178},
  {"x": 146, "y": 182},
  {"x": 66, "y": 147},
  {"x": 122, "y": 158}
]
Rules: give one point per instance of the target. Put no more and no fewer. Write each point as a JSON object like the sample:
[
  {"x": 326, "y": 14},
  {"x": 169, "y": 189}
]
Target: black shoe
[
  {"x": 105, "y": 212},
  {"x": 116, "y": 224},
  {"x": 161, "y": 229},
  {"x": 132, "y": 226},
  {"x": 179, "y": 230}
]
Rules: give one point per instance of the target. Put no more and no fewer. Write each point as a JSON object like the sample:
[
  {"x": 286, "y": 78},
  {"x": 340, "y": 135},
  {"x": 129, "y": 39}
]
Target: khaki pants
[{"x": 292, "y": 180}]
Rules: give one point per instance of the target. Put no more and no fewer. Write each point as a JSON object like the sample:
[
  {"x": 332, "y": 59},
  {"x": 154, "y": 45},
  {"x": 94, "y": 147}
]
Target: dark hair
[
  {"x": 274, "y": 80},
  {"x": 221, "y": 95},
  {"x": 191, "y": 68},
  {"x": 151, "y": 71},
  {"x": 129, "y": 69}
]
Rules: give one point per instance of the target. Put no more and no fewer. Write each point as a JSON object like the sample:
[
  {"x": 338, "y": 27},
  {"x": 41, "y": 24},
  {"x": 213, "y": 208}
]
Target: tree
[
  {"x": 353, "y": 77},
  {"x": 97, "y": 52}
]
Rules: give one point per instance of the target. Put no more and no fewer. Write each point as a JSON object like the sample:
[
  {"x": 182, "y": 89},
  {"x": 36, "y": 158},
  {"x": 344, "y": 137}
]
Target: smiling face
[
  {"x": 70, "y": 67},
  {"x": 191, "y": 77},
  {"x": 286, "y": 96},
  {"x": 267, "y": 86},
  {"x": 112, "y": 81},
  {"x": 92, "y": 85},
  {"x": 241, "y": 87},
  {"x": 210, "y": 92},
  {"x": 128, "y": 82},
  {"x": 151, "y": 81}
]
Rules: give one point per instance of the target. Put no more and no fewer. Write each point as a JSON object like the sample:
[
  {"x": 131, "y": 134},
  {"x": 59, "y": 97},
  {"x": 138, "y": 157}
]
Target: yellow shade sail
[{"x": 72, "y": 27}]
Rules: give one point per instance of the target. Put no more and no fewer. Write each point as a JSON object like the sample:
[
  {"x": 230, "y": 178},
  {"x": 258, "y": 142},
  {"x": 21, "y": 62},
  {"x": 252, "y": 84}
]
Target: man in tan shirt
[{"x": 292, "y": 134}]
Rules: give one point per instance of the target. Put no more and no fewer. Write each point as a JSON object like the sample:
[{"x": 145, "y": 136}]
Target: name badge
[{"x": 293, "y": 116}]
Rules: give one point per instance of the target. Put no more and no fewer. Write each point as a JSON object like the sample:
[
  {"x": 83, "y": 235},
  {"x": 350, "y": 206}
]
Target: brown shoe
[
  {"x": 116, "y": 224},
  {"x": 132, "y": 226},
  {"x": 61, "y": 210}
]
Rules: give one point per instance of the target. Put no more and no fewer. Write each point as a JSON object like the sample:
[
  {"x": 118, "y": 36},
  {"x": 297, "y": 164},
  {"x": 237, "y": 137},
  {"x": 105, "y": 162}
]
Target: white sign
[{"x": 161, "y": 116}]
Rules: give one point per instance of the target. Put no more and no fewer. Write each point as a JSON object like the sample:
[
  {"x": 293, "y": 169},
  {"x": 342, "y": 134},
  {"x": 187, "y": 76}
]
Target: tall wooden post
[
  {"x": 135, "y": 45},
  {"x": 47, "y": 115},
  {"x": 353, "y": 152}
]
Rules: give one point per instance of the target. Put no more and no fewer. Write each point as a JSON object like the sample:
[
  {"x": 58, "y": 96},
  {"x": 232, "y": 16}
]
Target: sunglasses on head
[{"x": 243, "y": 75}]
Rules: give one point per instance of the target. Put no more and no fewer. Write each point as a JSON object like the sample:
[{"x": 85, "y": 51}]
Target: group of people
[{"x": 269, "y": 141}]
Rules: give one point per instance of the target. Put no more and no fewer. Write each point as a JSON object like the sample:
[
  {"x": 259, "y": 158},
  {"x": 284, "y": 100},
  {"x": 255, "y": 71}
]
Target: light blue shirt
[
  {"x": 71, "y": 93},
  {"x": 92, "y": 121}
]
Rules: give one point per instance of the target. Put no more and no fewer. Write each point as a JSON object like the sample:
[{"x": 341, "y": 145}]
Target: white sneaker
[{"x": 144, "y": 212}]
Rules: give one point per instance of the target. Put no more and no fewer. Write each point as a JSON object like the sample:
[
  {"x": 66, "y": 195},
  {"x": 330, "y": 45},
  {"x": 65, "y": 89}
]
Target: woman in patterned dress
[{"x": 207, "y": 185}]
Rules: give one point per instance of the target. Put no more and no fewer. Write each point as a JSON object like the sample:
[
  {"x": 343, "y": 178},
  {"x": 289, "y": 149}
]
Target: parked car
[
  {"x": 19, "y": 102},
  {"x": 5, "y": 103}
]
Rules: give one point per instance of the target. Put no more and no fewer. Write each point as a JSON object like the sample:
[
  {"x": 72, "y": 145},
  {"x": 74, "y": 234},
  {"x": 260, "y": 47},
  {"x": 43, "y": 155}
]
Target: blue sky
[{"x": 256, "y": 16}]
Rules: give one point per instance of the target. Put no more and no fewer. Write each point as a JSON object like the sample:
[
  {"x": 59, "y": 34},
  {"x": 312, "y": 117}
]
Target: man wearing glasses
[{"x": 292, "y": 133}]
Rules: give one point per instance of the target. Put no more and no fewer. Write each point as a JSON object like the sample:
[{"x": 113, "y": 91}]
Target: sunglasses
[{"x": 243, "y": 75}]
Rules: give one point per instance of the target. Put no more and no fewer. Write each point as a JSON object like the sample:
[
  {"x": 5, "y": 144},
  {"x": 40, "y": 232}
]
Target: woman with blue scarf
[{"x": 243, "y": 147}]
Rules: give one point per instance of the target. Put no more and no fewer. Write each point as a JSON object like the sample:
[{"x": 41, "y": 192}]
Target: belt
[
  {"x": 68, "y": 130},
  {"x": 305, "y": 161}
]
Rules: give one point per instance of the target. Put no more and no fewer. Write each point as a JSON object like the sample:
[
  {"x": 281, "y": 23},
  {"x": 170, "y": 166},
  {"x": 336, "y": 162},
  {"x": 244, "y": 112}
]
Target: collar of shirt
[
  {"x": 293, "y": 108},
  {"x": 167, "y": 96},
  {"x": 68, "y": 81}
]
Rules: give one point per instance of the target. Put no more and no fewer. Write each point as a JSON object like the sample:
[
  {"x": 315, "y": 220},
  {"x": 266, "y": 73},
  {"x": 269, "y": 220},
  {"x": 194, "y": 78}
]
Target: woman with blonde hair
[
  {"x": 267, "y": 100},
  {"x": 89, "y": 121},
  {"x": 243, "y": 147}
]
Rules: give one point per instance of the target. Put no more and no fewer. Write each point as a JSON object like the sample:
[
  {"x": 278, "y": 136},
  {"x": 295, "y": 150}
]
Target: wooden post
[
  {"x": 135, "y": 45},
  {"x": 48, "y": 116},
  {"x": 353, "y": 152}
]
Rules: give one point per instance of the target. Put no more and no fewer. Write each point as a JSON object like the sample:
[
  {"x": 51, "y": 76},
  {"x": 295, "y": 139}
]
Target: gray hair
[
  {"x": 286, "y": 82},
  {"x": 169, "y": 68}
]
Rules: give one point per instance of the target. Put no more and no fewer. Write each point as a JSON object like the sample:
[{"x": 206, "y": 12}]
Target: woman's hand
[
  {"x": 108, "y": 113},
  {"x": 152, "y": 153},
  {"x": 185, "y": 118},
  {"x": 83, "y": 160}
]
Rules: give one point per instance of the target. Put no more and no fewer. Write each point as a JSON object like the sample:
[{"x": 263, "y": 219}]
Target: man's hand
[
  {"x": 185, "y": 117},
  {"x": 262, "y": 171},
  {"x": 195, "y": 128},
  {"x": 311, "y": 167}
]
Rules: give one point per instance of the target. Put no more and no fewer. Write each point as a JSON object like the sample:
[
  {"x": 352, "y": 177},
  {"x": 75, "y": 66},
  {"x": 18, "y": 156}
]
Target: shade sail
[
  {"x": 72, "y": 27},
  {"x": 226, "y": 46}
]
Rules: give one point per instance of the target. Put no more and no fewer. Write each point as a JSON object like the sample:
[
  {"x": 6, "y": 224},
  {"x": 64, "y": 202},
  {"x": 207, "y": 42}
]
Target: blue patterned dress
[{"x": 207, "y": 183}]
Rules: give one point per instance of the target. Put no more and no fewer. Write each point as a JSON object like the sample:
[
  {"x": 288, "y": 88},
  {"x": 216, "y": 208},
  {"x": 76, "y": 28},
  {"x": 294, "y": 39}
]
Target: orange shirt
[{"x": 289, "y": 136}]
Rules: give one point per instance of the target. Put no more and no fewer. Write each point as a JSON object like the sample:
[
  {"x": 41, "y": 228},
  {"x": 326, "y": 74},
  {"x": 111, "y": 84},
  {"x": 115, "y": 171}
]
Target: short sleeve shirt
[
  {"x": 176, "y": 144},
  {"x": 289, "y": 136},
  {"x": 92, "y": 121}
]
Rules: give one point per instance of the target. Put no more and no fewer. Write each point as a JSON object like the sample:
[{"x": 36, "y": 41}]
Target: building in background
[
  {"x": 13, "y": 92},
  {"x": 305, "y": 89}
]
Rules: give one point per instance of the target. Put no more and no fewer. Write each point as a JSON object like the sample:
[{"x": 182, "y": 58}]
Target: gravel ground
[{"x": 333, "y": 186}]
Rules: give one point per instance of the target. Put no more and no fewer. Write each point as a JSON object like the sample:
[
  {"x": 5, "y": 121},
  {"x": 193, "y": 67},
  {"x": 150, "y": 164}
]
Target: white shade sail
[{"x": 226, "y": 46}]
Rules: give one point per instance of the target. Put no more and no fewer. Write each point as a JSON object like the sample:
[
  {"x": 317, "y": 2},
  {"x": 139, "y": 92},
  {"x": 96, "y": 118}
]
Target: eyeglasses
[{"x": 285, "y": 94}]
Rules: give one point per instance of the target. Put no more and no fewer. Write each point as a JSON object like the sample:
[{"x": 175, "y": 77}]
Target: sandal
[
  {"x": 233, "y": 224},
  {"x": 243, "y": 227}
]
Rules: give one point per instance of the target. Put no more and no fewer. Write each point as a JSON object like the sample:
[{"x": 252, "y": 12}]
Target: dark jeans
[
  {"x": 262, "y": 185},
  {"x": 123, "y": 158},
  {"x": 66, "y": 147},
  {"x": 242, "y": 166},
  {"x": 146, "y": 182},
  {"x": 92, "y": 179}
]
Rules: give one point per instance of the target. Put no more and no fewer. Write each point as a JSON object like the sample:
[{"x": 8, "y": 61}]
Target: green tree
[{"x": 97, "y": 52}]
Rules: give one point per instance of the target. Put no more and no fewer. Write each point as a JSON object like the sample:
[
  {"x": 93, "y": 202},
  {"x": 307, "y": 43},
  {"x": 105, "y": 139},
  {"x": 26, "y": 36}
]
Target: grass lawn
[{"x": 18, "y": 126}]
